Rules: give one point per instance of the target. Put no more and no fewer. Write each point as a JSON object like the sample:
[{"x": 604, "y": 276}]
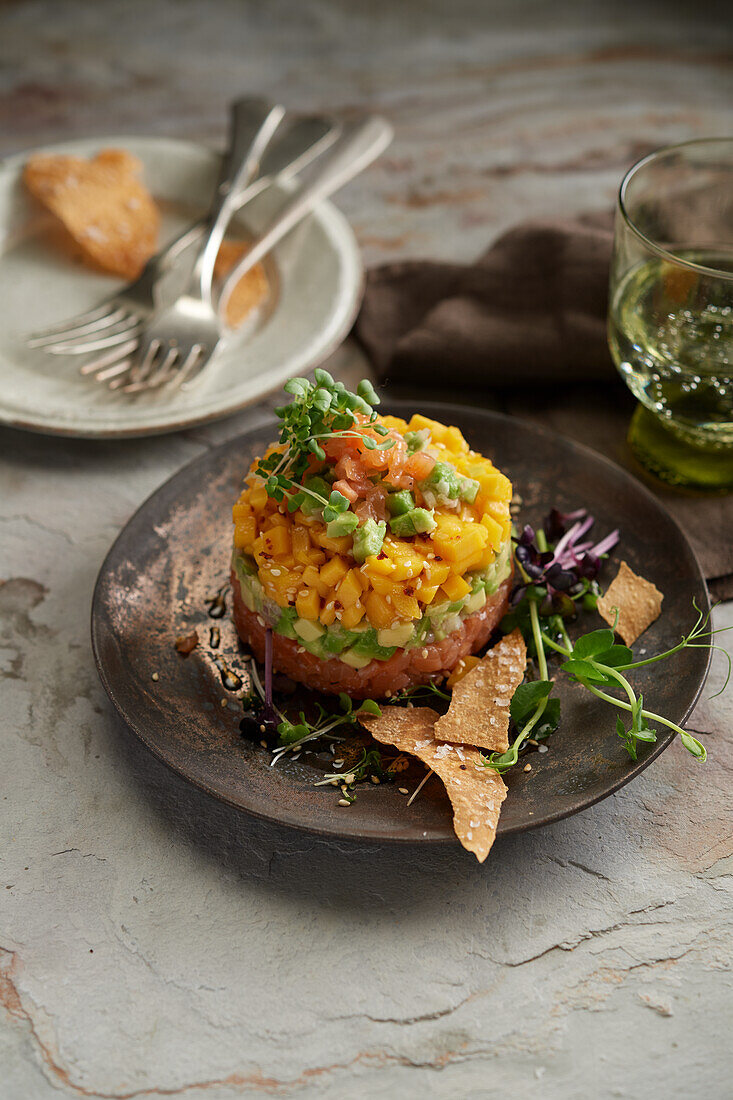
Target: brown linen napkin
[
  {"x": 524, "y": 329},
  {"x": 531, "y": 309}
]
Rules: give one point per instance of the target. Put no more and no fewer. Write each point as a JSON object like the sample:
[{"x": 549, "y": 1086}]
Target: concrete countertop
[{"x": 153, "y": 942}]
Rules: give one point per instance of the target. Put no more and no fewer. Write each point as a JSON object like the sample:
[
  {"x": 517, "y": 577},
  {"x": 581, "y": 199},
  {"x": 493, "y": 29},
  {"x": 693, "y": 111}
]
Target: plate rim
[
  {"x": 345, "y": 246},
  {"x": 635, "y": 767}
]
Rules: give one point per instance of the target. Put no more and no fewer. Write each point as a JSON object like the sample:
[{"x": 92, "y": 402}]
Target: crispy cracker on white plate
[
  {"x": 252, "y": 288},
  {"x": 476, "y": 792},
  {"x": 638, "y": 602},
  {"x": 102, "y": 204},
  {"x": 479, "y": 710}
]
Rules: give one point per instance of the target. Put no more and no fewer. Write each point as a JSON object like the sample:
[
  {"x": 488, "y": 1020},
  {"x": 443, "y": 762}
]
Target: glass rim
[{"x": 652, "y": 245}]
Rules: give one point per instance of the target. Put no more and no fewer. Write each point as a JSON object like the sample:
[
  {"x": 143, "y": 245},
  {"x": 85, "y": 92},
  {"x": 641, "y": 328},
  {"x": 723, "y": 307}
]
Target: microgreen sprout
[
  {"x": 554, "y": 583},
  {"x": 319, "y": 410},
  {"x": 293, "y": 735}
]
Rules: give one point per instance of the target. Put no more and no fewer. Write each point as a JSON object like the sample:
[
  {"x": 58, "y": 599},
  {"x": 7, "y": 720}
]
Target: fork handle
[
  {"x": 240, "y": 166},
  {"x": 356, "y": 147}
]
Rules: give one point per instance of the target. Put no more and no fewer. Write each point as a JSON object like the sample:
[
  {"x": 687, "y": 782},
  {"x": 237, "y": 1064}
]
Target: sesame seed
[
  {"x": 263, "y": 729},
  {"x": 350, "y": 778},
  {"x": 222, "y": 702},
  {"x": 344, "y": 802},
  {"x": 375, "y": 779},
  {"x": 528, "y": 767},
  {"x": 275, "y": 572},
  {"x": 403, "y": 790},
  {"x": 155, "y": 677},
  {"x": 543, "y": 748},
  {"x": 263, "y": 743}
]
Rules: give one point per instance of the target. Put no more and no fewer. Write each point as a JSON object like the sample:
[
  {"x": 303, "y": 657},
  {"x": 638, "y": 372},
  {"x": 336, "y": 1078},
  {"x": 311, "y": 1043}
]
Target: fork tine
[
  {"x": 115, "y": 371},
  {"x": 71, "y": 322},
  {"x": 195, "y": 367},
  {"x": 106, "y": 321},
  {"x": 120, "y": 352},
  {"x": 146, "y": 360},
  {"x": 158, "y": 376},
  {"x": 83, "y": 347}
]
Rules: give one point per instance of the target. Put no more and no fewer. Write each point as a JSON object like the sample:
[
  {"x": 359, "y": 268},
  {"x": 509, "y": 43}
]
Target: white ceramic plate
[{"x": 317, "y": 275}]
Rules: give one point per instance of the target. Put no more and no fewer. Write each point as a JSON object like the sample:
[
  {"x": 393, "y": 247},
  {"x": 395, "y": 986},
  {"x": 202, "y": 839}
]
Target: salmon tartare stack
[{"x": 371, "y": 554}]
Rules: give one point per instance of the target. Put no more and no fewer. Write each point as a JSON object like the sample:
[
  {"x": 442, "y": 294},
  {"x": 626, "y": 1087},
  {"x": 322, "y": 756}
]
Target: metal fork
[
  {"x": 178, "y": 343},
  {"x": 116, "y": 321}
]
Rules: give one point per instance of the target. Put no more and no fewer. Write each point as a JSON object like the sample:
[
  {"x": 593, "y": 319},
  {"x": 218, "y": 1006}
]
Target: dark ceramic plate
[{"x": 173, "y": 555}]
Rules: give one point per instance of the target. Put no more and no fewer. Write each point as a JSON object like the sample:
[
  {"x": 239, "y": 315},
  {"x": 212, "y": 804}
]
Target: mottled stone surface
[{"x": 153, "y": 942}]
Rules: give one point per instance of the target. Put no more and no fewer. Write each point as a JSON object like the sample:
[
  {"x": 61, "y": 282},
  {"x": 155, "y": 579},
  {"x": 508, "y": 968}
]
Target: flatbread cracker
[
  {"x": 479, "y": 710},
  {"x": 476, "y": 793},
  {"x": 251, "y": 289},
  {"x": 102, "y": 205},
  {"x": 638, "y": 601}
]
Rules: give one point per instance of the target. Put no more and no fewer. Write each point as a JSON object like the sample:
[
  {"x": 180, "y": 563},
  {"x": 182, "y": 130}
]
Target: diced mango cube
[
  {"x": 454, "y": 440},
  {"x": 333, "y": 571},
  {"x": 435, "y": 572},
  {"x": 349, "y": 590},
  {"x": 301, "y": 545},
  {"x": 353, "y": 615},
  {"x": 379, "y": 612},
  {"x": 406, "y": 607},
  {"x": 328, "y": 614},
  {"x": 308, "y": 603},
  {"x": 276, "y": 541},
  {"x": 462, "y": 668},
  {"x": 340, "y": 545},
  {"x": 245, "y": 532},
  {"x": 437, "y": 431},
  {"x": 425, "y": 591},
  {"x": 494, "y": 529},
  {"x": 258, "y": 497},
  {"x": 380, "y": 565},
  {"x": 456, "y": 587}
]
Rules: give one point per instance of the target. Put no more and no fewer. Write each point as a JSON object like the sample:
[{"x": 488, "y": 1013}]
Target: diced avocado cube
[
  {"x": 316, "y": 485},
  {"x": 469, "y": 488},
  {"x": 443, "y": 481},
  {"x": 417, "y": 441},
  {"x": 475, "y": 601},
  {"x": 396, "y": 635},
  {"x": 418, "y": 521},
  {"x": 399, "y": 503},
  {"x": 284, "y": 624},
  {"x": 368, "y": 539},
  {"x": 307, "y": 629},
  {"x": 367, "y": 645},
  {"x": 334, "y": 640},
  {"x": 354, "y": 660},
  {"x": 342, "y": 525}
]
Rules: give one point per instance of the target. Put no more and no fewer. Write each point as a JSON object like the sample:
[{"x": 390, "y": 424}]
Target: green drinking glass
[{"x": 670, "y": 318}]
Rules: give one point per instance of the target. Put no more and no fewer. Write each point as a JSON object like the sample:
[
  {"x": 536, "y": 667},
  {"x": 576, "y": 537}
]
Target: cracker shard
[
  {"x": 252, "y": 288},
  {"x": 476, "y": 793},
  {"x": 102, "y": 205},
  {"x": 638, "y": 602},
  {"x": 479, "y": 710}
]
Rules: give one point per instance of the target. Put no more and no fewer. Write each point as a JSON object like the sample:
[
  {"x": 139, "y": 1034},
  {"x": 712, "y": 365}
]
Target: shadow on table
[{"x": 341, "y": 875}]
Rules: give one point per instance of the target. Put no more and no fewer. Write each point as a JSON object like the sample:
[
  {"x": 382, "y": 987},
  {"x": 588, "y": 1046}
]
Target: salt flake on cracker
[
  {"x": 102, "y": 205},
  {"x": 637, "y": 601},
  {"x": 476, "y": 792},
  {"x": 479, "y": 710}
]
